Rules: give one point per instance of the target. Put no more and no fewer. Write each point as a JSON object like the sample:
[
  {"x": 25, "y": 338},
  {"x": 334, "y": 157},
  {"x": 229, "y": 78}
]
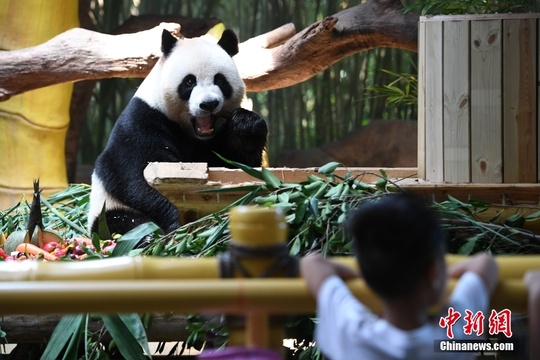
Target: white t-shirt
[{"x": 348, "y": 330}]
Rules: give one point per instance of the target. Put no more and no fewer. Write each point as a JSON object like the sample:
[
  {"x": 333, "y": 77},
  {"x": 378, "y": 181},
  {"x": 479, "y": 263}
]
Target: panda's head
[{"x": 195, "y": 83}]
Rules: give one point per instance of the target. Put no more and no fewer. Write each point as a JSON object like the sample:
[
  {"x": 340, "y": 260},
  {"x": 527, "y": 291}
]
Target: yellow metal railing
[
  {"x": 135, "y": 284},
  {"x": 145, "y": 285}
]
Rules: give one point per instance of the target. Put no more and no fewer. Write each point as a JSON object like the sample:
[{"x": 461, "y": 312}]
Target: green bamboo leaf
[
  {"x": 135, "y": 325},
  {"x": 270, "y": 179},
  {"x": 295, "y": 248},
  {"x": 468, "y": 247},
  {"x": 216, "y": 235},
  {"x": 320, "y": 192},
  {"x": 286, "y": 207},
  {"x": 329, "y": 168},
  {"x": 532, "y": 217},
  {"x": 334, "y": 191},
  {"x": 68, "y": 327},
  {"x": 126, "y": 341},
  {"x": 247, "y": 169},
  {"x": 314, "y": 206},
  {"x": 72, "y": 349},
  {"x": 103, "y": 228},
  {"x": 515, "y": 220},
  {"x": 300, "y": 211},
  {"x": 130, "y": 239},
  {"x": 381, "y": 183},
  {"x": 263, "y": 200},
  {"x": 96, "y": 243},
  {"x": 283, "y": 197}
]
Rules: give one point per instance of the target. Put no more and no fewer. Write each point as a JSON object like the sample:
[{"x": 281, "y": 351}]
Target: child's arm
[
  {"x": 482, "y": 264},
  {"x": 315, "y": 269},
  {"x": 532, "y": 280}
]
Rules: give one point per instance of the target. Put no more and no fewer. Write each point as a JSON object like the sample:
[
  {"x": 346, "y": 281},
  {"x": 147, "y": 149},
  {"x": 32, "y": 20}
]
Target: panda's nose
[{"x": 209, "y": 105}]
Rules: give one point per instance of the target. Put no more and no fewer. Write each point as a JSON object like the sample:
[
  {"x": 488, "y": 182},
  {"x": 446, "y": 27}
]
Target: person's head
[{"x": 400, "y": 246}]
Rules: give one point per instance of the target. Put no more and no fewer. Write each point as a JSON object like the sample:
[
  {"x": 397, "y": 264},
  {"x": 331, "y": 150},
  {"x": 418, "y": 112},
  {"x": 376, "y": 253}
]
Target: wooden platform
[{"x": 180, "y": 183}]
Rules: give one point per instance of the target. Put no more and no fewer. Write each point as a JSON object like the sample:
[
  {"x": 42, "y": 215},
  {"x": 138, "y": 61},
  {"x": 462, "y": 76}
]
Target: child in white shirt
[{"x": 400, "y": 248}]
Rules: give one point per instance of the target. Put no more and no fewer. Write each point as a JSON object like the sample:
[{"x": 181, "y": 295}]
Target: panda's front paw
[
  {"x": 248, "y": 131},
  {"x": 248, "y": 124}
]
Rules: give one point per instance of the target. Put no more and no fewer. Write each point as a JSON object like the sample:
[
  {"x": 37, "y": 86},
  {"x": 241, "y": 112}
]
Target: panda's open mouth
[{"x": 204, "y": 125}]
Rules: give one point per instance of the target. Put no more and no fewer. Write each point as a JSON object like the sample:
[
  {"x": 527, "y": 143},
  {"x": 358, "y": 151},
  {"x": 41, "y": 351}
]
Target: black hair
[{"x": 395, "y": 238}]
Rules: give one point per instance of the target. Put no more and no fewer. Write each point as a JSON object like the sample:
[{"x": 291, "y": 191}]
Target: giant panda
[{"x": 187, "y": 108}]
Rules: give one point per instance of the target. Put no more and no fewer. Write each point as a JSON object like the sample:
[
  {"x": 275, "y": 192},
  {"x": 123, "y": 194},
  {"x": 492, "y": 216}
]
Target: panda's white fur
[{"x": 187, "y": 108}]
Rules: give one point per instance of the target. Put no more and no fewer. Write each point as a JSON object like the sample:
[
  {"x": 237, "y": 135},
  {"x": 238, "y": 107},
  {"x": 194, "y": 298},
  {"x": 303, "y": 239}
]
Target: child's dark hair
[{"x": 396, "y": 237}]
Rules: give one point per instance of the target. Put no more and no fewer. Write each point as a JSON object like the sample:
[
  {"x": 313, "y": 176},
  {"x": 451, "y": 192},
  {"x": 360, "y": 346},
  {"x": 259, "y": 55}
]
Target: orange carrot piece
[{"x": 32, "y": 249}]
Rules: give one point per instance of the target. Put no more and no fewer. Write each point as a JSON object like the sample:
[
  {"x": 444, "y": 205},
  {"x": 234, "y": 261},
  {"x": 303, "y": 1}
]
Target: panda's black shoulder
[{"x": 140, "y": 114}]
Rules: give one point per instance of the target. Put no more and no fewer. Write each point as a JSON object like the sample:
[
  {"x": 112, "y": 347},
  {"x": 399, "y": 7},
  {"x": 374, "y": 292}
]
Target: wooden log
[
  {"x": 282, "y": 58},
  {"x": 38, "y": 329}
]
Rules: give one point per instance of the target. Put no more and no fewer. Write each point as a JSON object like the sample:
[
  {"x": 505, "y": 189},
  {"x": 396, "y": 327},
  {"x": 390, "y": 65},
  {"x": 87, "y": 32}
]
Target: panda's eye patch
[
  {"x": 221, "y": 81},
  {"x": 186, "y": 86}
]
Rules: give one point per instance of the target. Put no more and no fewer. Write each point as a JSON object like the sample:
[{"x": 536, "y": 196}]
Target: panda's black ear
[
  {"x": 167, "y": 42},
  {"x": 229, "y": 42}
]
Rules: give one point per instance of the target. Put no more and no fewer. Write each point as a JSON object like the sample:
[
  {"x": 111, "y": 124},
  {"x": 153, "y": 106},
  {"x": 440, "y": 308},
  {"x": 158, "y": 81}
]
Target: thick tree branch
[
  {"x": 371, "y": 24},
  {"x": 80, "y": 54},
  {"x": 273, "y": 60}
]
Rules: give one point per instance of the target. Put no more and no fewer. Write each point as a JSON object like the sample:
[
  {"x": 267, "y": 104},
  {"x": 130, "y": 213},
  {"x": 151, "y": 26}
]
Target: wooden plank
[
  {"x": 477, "y": 17},
  {"x": 519, "y": 102},
  {"x": 433, "y": 122},
  {"x": 421, "y": 162},
  {"x": 182, "y": 183},
  {"x": 192, "y": 173},
  {"x": 501, "y": 194},
  {"x": 192, "y": 204},
  {"x": 486, "y": 109},
  {"x": 189, "y": 174},
  {"x": 456, "y": 116}
]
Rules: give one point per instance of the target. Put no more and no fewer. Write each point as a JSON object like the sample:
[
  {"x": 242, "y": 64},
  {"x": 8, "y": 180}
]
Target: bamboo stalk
[
  {"x": 512, "y": 267},
  {"x": 233, "y": 296}
]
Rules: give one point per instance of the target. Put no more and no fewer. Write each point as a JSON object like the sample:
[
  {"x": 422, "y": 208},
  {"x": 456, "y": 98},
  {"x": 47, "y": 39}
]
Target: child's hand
[
  {"x": 532, "y": 281},
  {"x": 315, "y": 269},
  {"x": 532, "y": 278},
  {"x": 482, "y": 264}
]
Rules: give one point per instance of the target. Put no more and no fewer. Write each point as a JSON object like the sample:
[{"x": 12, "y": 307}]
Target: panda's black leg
[{"x": 122, "y": 221}]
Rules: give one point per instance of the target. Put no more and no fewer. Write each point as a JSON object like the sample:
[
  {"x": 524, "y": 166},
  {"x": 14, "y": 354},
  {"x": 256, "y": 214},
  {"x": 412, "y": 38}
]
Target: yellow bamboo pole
[
  {"x": 33, "y": 125},
  {"x": 253, "y": 229},
  {"x": 183, "y": 285},
  {"x": 512, "y": 267},
  {"x": 233, "y": 296}
]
